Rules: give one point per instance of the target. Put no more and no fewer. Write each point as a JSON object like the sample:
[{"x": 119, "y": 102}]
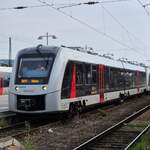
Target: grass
[
  {"x": 28, "y": 145},
  {"x": 144, "y": 143},
  {"x": 136, "y": 125}
]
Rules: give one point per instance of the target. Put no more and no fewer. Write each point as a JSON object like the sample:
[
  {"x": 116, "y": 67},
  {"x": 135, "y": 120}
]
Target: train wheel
[
  {"x": 128, "y": 94},
  {"x": 145, "y": 92},
  {"x": 72, "y": 110},
  {"x": 122, "y": 98}
]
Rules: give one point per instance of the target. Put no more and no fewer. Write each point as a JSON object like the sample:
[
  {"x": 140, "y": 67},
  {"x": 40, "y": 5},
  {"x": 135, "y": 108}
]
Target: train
[
  {"x": 53, "y": 79},
  {"x": 5, "y": 75}
]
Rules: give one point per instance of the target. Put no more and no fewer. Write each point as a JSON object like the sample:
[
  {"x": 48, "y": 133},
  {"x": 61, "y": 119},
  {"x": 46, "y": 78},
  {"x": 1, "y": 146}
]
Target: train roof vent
[
  {"x": 88, "y": 50},
  {"x": 39, "y": 46},
  {"x": 125, "y": 60}
]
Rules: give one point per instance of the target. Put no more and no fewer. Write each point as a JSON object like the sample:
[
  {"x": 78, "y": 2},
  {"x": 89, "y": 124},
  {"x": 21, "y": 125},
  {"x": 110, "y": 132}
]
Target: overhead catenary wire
[
  {"x": 114, "y": 18},
  {"x": 89, "y": 26},
  {"x": 144, "y": 7},
  {"x": 123, "y": 27},
  {"x": 59, "y": 5},
  {"x": 90, "y": 3},
  {"x": 22, "y": 7}
]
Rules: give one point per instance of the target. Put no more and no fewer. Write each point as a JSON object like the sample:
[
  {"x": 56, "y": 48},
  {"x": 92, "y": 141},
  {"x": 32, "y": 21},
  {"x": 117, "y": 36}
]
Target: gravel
[{"x": 69, "y": 134}]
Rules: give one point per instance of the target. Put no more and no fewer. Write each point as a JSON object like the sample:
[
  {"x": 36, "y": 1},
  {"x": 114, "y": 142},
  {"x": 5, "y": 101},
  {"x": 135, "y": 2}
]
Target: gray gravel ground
[{"x": 71, "y": 133}]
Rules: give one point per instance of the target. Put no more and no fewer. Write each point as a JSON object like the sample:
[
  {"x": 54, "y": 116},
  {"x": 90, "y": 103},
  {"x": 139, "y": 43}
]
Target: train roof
[
  {"x": 94, "y": 58},
  {"x": 43, "y": 49},
  {"x": 6, "y": 69},
  {"x": 82, "y": 55}
]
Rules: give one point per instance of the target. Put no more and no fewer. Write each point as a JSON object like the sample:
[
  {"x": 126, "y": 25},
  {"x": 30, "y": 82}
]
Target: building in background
[{"x": 5, "y": 62}]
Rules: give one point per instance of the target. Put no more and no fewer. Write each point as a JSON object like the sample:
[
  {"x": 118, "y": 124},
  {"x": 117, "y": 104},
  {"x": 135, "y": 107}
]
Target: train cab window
[{"x": 66, "y": 86}]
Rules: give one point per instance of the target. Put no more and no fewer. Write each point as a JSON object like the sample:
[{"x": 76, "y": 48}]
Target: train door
[{"x": 101, "y": 83}]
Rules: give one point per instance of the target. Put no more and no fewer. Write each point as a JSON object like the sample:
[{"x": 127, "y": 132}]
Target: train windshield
[{"x": 34, "y": 67}]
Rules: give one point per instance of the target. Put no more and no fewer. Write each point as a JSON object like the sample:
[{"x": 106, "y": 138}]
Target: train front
[{"x": 29, "y": 85}]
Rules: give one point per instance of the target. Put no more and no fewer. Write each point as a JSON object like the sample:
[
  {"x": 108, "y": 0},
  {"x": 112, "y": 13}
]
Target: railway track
[
  {"x": 118, "y": 137},
  {"x": 19, "y": 126},
  {"x": 23, "y": 127},
  {"x": 39, "y": 130},
  {"x": 6, "y": 114}
]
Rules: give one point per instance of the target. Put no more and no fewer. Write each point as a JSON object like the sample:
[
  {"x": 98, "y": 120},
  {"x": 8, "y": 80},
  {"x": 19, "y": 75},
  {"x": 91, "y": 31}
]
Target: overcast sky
[{"x": 121, "y": 28}]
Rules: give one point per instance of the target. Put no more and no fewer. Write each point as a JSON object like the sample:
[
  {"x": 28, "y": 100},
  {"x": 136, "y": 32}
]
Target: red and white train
[
  {"x": 58, "y": 79},
  {"x": 5, "y": 74}
]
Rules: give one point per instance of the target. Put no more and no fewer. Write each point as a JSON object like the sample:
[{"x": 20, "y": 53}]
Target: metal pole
[
  {"x": 47, "y": 38},
  {"x": 10, "y": 49}
]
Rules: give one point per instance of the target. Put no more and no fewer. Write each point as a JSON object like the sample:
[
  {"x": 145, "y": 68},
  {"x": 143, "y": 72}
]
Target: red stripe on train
[
  {"x": 73, "y": 83},
  {"x": 101, "y": 83},
  {"x": 1, "y": 86}
]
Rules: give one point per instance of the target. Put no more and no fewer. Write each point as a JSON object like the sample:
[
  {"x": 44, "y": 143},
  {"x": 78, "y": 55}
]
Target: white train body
[{"x": 71, "y": 76}]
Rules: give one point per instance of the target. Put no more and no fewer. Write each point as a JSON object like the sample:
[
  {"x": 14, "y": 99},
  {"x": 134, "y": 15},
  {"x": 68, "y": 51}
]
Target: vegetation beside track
[{"x": 144, "y": 143}]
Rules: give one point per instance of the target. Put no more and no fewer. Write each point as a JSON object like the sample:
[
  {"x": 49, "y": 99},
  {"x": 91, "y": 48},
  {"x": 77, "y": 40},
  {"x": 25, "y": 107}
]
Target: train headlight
[
  {"x": 17, "y": 88},
  {"x": 44, "y": 88}
]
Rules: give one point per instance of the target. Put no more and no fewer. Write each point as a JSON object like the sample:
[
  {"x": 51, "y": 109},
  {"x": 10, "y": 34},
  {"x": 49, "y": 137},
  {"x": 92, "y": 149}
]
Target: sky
[{"x": 119, "y": 27}]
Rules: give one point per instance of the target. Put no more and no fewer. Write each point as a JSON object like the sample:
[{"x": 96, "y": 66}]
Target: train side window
[
  {"x": 88, "y": 75},
  {"x": 121, "y": 79},
  {"x": 134, "y": 79},
  {"x": 94, "y": 74},
  {"x": 149, "y": 80},
  {"x": 115, "y": 79},
  {"x": 66, "y": 86},
  {"x": 112, "y": 79},
  {"x": 80, "y": 79},
  {"x": 94, "y": 82},
  {"x": 143, "y": 78},
  {"x": 79, "y": 73},
  {"x": 106, "y": 76}
]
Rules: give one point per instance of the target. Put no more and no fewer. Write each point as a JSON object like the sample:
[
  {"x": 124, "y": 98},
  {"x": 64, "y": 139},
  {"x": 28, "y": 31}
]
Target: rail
[
  {"x": 111, "y": 129},
  {"x": 137, "y": 138}
]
